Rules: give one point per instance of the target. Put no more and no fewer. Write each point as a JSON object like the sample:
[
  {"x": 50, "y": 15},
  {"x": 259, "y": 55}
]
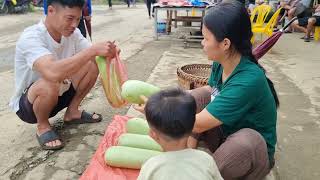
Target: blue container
[{"x": 161, "y": 27}]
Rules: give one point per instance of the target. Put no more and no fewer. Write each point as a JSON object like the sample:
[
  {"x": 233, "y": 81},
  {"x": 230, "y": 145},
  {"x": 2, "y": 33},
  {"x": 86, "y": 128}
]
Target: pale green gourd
[
  {"x": 128, "y": 157},
  {"x": 132, "y": 90},
  {"x": 138, "y": 141},
  {"x": 137, "y": 126}
]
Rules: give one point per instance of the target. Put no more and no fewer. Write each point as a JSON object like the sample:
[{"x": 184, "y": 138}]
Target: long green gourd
[
  {"x": 132, "y": 90},
  {"x": 138, "y": 141},
  {"x": 128, "y": 157},
  {"x": 111, "y": 82},
  {"x": 137, "y": 126},
  {"x": 101, "y": 62}
]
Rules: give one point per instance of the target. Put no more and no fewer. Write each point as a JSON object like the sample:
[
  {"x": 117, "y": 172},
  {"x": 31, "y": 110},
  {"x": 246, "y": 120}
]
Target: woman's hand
[{"x": 140, "y": 107}]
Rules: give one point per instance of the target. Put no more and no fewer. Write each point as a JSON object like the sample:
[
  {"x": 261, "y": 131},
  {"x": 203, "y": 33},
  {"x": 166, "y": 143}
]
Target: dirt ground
[{"x": 292, "y": 64}]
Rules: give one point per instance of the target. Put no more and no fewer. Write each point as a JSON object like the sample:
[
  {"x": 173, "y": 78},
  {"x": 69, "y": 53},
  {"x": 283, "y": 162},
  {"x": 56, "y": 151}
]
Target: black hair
[
  {"x": 230, "y": 19},
  {"x": 172, "y": 112},
  {"x": 67, "y": 3}
]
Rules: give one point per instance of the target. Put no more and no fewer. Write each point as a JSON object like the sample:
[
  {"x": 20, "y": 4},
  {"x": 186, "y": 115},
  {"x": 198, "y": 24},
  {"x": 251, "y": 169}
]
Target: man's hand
[
  {"x": 140, "y": 107},
  {"x": 106, "y": 49}
]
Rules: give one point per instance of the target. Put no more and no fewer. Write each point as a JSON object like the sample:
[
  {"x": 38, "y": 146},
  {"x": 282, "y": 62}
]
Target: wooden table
[{"x": 175, "y": 9}]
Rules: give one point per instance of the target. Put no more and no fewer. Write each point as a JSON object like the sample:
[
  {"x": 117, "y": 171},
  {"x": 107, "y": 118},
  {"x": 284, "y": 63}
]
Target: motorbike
[{"x": 14, "y": 6}]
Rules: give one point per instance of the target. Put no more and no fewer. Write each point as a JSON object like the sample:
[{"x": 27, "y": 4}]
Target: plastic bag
[{"x": 113, "y": 74}]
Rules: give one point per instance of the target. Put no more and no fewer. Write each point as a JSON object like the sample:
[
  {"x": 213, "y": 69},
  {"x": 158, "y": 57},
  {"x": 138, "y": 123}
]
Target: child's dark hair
[
  {"x": 230, "y": 19},
  {"x": 67, "y": 3},
  {"x": 172, "y": 112}
]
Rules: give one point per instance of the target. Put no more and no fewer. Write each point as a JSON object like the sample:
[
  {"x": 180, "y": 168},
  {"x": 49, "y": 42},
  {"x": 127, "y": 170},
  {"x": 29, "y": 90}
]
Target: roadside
[{"x": 292, "y": 65}]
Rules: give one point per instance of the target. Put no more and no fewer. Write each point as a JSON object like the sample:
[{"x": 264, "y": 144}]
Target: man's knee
[
  {"x": 312, "y": 21},
  {"x": 93, "y": 69},
  {"x": 44, "y": 89},
  {"x": 50, "y": 89},
  {"x": 295, "y": 23}
]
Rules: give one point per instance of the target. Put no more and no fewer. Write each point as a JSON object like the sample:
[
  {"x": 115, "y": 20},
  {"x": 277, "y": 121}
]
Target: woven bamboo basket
[{"x": 192, "y": 76}]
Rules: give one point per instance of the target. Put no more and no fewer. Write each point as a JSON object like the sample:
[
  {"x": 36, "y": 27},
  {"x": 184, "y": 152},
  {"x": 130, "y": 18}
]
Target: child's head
[{"x": 171, "y": 114}]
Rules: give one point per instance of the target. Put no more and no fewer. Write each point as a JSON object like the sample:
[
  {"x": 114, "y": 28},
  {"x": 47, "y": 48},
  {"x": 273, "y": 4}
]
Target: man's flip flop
[
  {"x": 47, "y": 137},
  {"x": 85, "y": 118}
]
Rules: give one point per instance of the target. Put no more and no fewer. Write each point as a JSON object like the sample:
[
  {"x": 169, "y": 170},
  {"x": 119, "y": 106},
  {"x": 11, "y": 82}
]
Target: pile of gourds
[{"x": 134, "y": 147}]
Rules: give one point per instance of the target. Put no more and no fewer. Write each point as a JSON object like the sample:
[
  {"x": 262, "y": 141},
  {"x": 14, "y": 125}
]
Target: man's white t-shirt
[{"x": 34, "y": 43}]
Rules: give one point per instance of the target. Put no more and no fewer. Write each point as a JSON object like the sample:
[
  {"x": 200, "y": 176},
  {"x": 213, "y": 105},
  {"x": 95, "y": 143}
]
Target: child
[{"x": 171, "y": 115}]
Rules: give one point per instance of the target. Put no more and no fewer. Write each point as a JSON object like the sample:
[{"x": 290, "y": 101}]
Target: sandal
[
  {"x": 306, "y": 39},
  {"x": 311, "y": 37},
  {"x": 85, "y": 118},
  {"x": 47, "y": 137}
]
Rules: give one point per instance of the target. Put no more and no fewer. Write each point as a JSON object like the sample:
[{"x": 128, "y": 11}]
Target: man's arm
[{"x": 56, "y": 71}]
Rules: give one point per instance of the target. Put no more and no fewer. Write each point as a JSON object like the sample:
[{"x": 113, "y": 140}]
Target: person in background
[
  {"x": 133, "y": 3},
  {"x": 85, "y": 21},
  {"x": 295, "y": 8},
  {"x": 128, "y": 2},
  {"x": 110, "y": 4},
  {"x": 307, "y": 24},
  {"x": 253, "y": 4},
  {"x": 149, "y": 4}
]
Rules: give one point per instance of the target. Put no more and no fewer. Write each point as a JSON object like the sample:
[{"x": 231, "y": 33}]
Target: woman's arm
[
  {"x": 202, "y": 96},
  {"x": 205, "y": 121}
]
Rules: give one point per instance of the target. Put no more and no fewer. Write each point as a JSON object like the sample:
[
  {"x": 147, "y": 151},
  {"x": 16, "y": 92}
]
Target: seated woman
[
  {"x": 239, "y": 122},
  {"x": 307, "y": 24}
]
